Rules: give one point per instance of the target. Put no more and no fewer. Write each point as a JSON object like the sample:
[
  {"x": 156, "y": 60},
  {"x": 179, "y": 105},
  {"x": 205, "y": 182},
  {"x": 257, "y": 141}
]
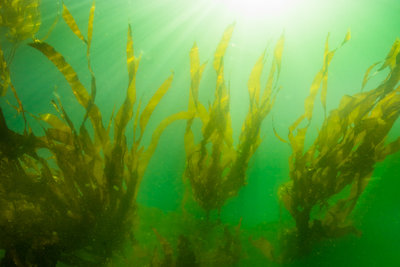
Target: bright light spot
[{"x": 258, "y": 8}]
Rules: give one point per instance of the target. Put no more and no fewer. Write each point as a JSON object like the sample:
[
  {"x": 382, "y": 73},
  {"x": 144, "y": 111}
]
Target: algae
[
  {"x": 81, "y": 208},
  {"x": 69, "y": 195},
  {"x": 333, "y": 172},
  {"x": 215, "y": 168}
]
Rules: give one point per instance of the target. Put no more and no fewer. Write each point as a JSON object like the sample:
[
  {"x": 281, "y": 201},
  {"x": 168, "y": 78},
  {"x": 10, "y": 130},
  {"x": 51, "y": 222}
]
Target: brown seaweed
[
  {"x": 80, "y": 199},
  {"x": 327, "y": 179},
  {"x": 217, "y": 173},
  {"x": 21, "y": 18}
]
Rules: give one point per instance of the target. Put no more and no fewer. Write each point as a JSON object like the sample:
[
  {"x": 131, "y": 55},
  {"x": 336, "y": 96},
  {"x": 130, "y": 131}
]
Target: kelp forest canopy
[{"x": 69, "y": 193}]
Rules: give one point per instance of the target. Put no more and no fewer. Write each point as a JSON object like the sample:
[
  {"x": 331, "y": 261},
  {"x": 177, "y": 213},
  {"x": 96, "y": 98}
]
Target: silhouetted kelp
[
  {"x": 78, "y": 204},
  {"x": 327, "y": 179},
  {"x": 215, "y": 168}
]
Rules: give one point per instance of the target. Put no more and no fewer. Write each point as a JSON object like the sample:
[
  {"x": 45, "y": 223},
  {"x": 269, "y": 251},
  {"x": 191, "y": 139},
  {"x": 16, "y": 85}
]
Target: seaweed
[
  {"x": 21, "y": 18},
  {"x": 215, "y": 168},
  {"x": 327, "y": 179},
  {"x": 5, "y": 79},
  {"x": 70, "y": 195}
]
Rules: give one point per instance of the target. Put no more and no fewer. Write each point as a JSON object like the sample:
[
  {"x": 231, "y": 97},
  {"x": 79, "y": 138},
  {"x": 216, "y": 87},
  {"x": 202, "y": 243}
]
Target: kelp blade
[{"x": 77, "y": 87}]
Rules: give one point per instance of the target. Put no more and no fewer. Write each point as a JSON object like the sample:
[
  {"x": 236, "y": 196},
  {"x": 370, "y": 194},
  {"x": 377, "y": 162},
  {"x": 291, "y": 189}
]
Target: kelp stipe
[
  {"x": 327, "y": 179},
  {"x": 77, "y": 205},
  {"x": 216, "y": 169}
]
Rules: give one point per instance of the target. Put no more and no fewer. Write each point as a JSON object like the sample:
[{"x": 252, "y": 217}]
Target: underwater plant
[
  {"x": 216, "y": 168},
  {"x": 70, "y": 195},
  {"x": 327, "y": 179},
  {"x": 21, "y": 18}
]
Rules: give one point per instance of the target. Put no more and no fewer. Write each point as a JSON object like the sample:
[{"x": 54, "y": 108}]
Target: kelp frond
[
  {"x": 21, "y": 18},
  {"x": 218, "y": 173},
  {"x": 5, "y": 79},
  {"x": 88, "y": 186},
  {"x": 349, "y": 143}
]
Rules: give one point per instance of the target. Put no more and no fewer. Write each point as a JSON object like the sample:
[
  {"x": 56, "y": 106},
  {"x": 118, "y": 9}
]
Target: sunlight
[{"x": 258, "y": 8}]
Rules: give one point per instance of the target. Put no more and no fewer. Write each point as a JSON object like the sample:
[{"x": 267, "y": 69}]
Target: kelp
[
  {"x": 327, "y": 179},
  {"x": 70, "y": 195},
  {"x": 21, "y": 18},
  {"x": 5, "y": 79},
  {"x": 215, "y": 168},
  {"x": 219, "y": 245},
  {"x": 76, "y": 202}
]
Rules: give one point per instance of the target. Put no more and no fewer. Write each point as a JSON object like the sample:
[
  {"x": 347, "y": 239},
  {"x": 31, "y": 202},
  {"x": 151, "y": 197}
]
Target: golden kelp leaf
[
  {"x": 155, "y": 99},
  {"x": 90, "y": 26},
  {"x": 297, "y": 141},
  {"x": 223, "y": 44},
  {"x": 347, "y": 37},
  {"x": 71, "y": 23},
  {"x": 136, "y": 121},
  {"x": 324, "y": 92},
  {"x": 276, "y": 63},
  {"x": 202, "y": 113},
  {"x": 110, "y": 121},
  {"x": 93, "y": 90},
  {"x": 60, "y": 109},
  {"x": 196, "y": 71},
  {"x": 254, "y": 83},
  {"x": 144, "y": 160},
  {"x": 367, "y": 77},
  {"x": 278, "y": 136},
  {"x": 60, "y": 136},
  {"x": 86, "y": 143},
  {"x": 55, "y": 122},
  {"x": 77, "y": 87},
  {"x": 194, "y": 63},
  {"x": 125, "y": 112},
  {"x": 327, "y": 61},
  {"x": 5, "y": 79},
  {"x": 130, "y": 56},
  {"x": 278, "y": 52},
  {"x": 189, "y": 143},
  {"x": 310, "y": 100},
  {"x": 320, "y": 79},
  {"x": 390, "y": 60},
  {"x": 216, "y": 170},
  {"x": 69, "y": 73},
  {"x": 20, "y": 106}
]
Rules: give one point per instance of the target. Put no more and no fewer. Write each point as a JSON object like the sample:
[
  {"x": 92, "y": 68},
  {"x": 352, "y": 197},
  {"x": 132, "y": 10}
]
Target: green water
[{"x": 163, "y": 33}]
